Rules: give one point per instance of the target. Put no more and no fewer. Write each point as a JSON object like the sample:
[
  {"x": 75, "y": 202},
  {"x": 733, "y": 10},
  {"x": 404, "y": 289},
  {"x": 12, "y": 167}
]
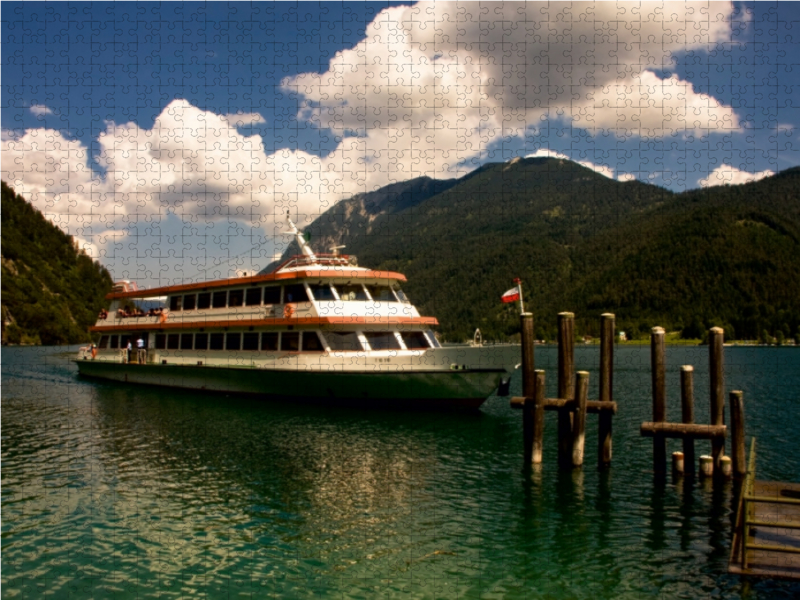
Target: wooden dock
[{"x": 766, "y": 539}]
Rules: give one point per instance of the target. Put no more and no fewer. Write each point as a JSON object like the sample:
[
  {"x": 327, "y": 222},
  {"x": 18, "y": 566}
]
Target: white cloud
[
  {"x": 728, "y": 175},
  {"x": 432, "y": 85},
  {"x": 626, "y": 177},
  {"x": 40, "y": 110},
  {"x": 244, "y": 119}
]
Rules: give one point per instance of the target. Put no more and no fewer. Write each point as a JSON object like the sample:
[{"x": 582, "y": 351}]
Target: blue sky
[{"x": 171, "y": 138}]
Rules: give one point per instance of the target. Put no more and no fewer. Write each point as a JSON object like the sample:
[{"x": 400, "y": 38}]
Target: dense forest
[
  {"x": 51, "y": 290},
  {"x": 727, "y": 255}
]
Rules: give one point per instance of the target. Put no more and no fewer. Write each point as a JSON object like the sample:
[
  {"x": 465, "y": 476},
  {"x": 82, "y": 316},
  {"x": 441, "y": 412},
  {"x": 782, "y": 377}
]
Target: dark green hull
[{"x": 415, "y": 389}]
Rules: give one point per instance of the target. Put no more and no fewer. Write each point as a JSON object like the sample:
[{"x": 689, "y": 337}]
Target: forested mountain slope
[
  {"x": 727, "y": 255},
  {"x": 51, "y": 290}
]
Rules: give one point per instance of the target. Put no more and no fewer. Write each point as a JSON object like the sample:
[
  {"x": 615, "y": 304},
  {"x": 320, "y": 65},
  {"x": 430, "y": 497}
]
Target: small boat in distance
[{"x": 317, "y": 327}]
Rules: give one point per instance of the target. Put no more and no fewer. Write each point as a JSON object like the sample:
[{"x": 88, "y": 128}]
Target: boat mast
[{"x": 301, "y": 241}]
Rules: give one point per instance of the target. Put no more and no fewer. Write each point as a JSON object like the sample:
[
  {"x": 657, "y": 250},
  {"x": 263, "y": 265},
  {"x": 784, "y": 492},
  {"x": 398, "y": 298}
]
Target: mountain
[
  {"x": 353, "y": 217},
  {"x": 581, "y": 242},
  {"x": 51, "y": 290}
]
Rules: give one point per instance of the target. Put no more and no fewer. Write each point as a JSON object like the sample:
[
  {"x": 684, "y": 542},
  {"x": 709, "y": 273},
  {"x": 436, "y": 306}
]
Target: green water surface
[{"x": 121, "y": 491}]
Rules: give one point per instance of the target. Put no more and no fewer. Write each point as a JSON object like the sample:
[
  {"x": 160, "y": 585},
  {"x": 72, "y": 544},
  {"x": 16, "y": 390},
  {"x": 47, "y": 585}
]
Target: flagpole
[{"x": 521, "y": 305}]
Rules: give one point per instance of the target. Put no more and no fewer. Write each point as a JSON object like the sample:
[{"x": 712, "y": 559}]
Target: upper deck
[{"x": 300, "y": 267}]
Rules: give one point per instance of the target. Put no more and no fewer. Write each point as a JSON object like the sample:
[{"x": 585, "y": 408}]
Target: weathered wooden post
[
  {"x": 717, "y": 387},
  {"x": 538, "y": 419},
  {"x": 658, "y": 367},
  {"x": 687, "y": 415},
  {"x": 604, "y": 447},
  {"x": 579, "y": 418},
  {"x": 737, "y": 433},
  {"x": 566, "y": 369},
  {"x": 678, "y": 466},
  {"x": 528, "y": 383}
]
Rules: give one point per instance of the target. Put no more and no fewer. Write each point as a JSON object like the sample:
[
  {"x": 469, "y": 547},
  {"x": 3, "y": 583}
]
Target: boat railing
[{"x": 328, "y": 260}]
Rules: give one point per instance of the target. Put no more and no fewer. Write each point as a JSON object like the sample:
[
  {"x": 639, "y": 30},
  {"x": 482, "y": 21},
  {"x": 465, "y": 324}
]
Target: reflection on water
[{"x": 109, "y": 489}]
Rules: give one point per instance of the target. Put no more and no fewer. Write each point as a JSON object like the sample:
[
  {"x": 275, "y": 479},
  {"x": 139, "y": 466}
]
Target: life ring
[{"x": 288, "y": 311}]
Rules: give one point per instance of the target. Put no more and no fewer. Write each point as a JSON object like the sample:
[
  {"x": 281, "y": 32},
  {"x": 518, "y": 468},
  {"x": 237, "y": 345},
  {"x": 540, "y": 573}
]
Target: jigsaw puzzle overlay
[{"x": 420, "y": 159}]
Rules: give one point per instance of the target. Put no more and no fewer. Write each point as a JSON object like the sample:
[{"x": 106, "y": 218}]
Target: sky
[{"x": 171, "y": 139}]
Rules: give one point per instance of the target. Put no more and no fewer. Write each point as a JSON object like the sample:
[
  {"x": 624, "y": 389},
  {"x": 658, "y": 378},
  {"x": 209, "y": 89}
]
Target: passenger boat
[{"x": 316, "y": 327}]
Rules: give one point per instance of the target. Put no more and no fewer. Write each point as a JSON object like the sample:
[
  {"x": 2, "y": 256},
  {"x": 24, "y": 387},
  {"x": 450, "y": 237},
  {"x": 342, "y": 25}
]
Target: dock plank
[{"x": 770, "y": 515}]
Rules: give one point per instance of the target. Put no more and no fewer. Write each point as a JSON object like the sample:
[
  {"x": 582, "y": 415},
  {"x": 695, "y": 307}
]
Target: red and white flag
[{"x": 511, "y": 295}]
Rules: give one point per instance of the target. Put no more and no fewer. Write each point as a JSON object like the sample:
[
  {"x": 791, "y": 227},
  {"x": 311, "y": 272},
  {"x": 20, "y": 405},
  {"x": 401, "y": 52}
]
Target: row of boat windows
[
  {"x": 281, "y": 294},
  {"x": 286, "y": 341}
]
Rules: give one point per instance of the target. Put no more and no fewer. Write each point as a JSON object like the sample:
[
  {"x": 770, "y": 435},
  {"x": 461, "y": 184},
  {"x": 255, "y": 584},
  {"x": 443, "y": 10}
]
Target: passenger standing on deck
[
  {"x": 142, "y": 352},
  {"x": 130, "y": 349}
]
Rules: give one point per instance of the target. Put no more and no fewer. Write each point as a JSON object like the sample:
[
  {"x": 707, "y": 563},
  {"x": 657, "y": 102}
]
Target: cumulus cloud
[
  {"x": 436, "y": 82},
  {"x": 728, "y": 175},
  {"x": 40, "y": 110}
]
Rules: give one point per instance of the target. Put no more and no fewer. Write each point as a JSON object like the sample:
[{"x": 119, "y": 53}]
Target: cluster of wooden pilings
[
  {"x": 572, "y": 404},
  {"x": 659, "y": 429}
]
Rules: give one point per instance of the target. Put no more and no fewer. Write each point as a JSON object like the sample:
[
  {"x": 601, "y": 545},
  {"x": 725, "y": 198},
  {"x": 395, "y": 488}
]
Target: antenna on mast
[{"x": 301, "y": 240}]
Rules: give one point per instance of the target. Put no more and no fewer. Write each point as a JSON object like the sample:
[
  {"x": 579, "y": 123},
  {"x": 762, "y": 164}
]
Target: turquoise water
[{"x": 117, "y": 491}]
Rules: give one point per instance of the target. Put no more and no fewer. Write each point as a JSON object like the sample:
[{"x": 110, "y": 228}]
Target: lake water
[{"x": 110, "y": 490}]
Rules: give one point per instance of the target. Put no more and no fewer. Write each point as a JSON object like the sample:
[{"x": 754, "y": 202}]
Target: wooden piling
[
  {"x": 528, "y": 384},
  {"x": 737, "y": 433},
  {"x": 706, "y": 466},
  {"x": 658, "y": 367},
  {"x": 687, "y": 415},
  {"x": 604, "y": 446},
  {"x": 566, "y": 369},
  {"x": 579, "y": 418},
  {"x": 725, "y": 466},
  {"x": 538, "y": 419},
  {"x": 717, "y": 387},
  {"x": 678, "y": 464}
]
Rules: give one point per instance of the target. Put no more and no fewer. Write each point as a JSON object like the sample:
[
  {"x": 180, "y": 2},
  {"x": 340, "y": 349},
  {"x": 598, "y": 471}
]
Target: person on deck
[{"x": 141, "y": 351}]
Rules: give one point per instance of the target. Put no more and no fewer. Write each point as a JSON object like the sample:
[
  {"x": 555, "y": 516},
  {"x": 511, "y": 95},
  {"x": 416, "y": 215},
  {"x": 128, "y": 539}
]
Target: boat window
[
  {"x": 382, "y": 340},
  {"x": 414, "y": 340},
  {"x": 311, "y": 342},
  {"x": 173, "y": 340},
  {"x": 235, "y": 297},
  {"x": 343, "y": 340},
  {"x": 189, "y": 302},
  {"x": 400, "y": 295},
  {"x": 161, "y": 341},
  {"x": 204, "y": 300},
  {"x": 216, "y": 341},
  {"x": 201, "y": 341},
  {"x": 351, "y": 292},
  {"x": 114, "y": 341},
  {"x": 219, "y": 299},
  {"x": 381, "y": 293},
  {"x": 186, "y": 341},
  {"x": 272, "y": 295},
  {"x": 234, "y": 341},
  {"x": 250, "y": 340},
  {"x": 269, "y": 340},
  {"x": 103, "y": 341},
  {"x": 432, "y": 338},
  {"x": 294, "y": 293},
  {"x": 175, "y": 302},
  {"x": 253, "y": 296},
  {"x": 322, "y": 292},
  {"x": 290, "y": 341}
]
